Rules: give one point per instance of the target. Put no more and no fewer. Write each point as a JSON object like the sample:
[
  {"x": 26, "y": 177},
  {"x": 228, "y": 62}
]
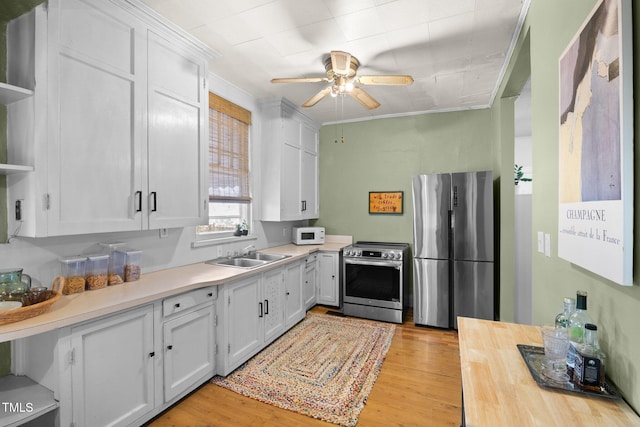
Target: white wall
[{"x": 39, "y": 257}]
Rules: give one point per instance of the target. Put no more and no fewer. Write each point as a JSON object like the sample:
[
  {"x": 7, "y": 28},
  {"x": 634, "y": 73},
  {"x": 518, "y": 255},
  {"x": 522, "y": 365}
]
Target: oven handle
[{"x": 395, "y": 264}]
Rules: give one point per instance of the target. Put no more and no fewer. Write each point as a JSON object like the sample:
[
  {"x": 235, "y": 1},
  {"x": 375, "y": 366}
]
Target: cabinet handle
[
  {"x": 210, "y": 294},
  {"x": 261, "y": 313},
  {"x": 153, "y": 353},
  {"x": 266, "y": 306},
  {"x": 177, "y": 305},
  {"x": 155, "y": 201},
  {"x": 169, "y": 347},
  {"x": 138, "y": 201}
]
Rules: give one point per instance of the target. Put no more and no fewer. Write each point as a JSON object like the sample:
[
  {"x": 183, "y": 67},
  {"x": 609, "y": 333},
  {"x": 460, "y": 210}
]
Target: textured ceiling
[{"x": 455, "y": 50}]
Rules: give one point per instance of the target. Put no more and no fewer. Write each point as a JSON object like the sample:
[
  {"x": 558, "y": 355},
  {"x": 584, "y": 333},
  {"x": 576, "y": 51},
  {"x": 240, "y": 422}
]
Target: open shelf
[
  {"x": 6, "y": 169},
  {"x": 10, "y": 94},
  {"x": 23, "y": 400}
]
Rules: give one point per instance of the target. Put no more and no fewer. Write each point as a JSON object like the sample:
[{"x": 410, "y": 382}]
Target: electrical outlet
[
  {"x": 284, "y": 232},
  {"x": 164, "y": 233},
  {"x": 219, "y": 251},
  {"x": 19, "y": 209}
]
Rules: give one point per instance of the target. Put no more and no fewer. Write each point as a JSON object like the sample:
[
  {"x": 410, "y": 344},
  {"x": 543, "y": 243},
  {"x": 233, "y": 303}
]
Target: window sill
[{"x": 222, "y": 240}]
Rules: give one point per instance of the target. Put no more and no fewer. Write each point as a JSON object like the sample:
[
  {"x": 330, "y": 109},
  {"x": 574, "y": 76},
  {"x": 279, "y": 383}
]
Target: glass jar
[{"x": 14, "y": 284}]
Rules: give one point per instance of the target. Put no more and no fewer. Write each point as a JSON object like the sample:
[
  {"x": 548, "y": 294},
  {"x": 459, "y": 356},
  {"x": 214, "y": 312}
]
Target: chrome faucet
[{"x": 247, "y": 250}]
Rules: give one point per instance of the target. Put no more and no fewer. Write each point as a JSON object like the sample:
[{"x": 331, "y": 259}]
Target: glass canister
[
  {"x": 130, "y": 262},
  {"x": 14, "y": 284},
  {"x": 73, "y": 269},
  {"x": 115, "y": 273},
  {"x": 96, "y": 271}
]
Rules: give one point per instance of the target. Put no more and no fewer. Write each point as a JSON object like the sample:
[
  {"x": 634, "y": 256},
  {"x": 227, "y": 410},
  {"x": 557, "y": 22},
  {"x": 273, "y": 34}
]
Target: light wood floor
[{"x": 419, "y": 385}]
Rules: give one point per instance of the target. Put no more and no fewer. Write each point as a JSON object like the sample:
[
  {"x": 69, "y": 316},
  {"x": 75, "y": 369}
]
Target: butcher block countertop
[
  {"x": 88, "y": 305},
  {"x": 498, "y": 389}
]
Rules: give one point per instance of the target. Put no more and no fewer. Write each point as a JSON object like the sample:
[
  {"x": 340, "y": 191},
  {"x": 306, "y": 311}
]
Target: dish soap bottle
[
  {"x": 576, "y": 330},
  {"x": 562, "y": 319},
  {"x": 589, "y": 362}
]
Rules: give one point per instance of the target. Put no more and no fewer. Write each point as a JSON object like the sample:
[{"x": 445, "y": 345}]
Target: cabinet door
[
  {"x": 177, "y": 139},
  {"x": 273, "y": 310},
  {"x": 309, "y": 185},
  {"x": 112, "y": 369},
  {"x": 328, "y": 289},
  {"x": 95, "y": 124},
  {"x": 188, "y": 350},
  {"x": 309, "y": 284},
  {"x": 309, "y": 172},
  {"x": 291, "y": 207},
  {"x": 295, "y": 310},
  {"x": 243, "y": 324}
]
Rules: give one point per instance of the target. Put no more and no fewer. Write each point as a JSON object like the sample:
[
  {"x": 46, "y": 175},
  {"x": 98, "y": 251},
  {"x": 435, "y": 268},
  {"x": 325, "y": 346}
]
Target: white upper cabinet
[
  {"x": 119, "y": 124},
  {"x": 289, "y": 163}
]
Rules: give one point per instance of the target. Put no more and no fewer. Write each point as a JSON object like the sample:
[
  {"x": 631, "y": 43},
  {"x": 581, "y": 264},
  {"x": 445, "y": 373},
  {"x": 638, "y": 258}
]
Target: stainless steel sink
[
  {"x": 239, "y": 262},
  {"x": 265, "y": 257},
  {"x": 251, "y": 260}
]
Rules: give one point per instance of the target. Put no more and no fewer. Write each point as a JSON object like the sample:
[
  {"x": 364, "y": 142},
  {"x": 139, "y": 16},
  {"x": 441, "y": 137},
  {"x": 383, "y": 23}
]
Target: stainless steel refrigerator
[{"x": 453, "y": 248}]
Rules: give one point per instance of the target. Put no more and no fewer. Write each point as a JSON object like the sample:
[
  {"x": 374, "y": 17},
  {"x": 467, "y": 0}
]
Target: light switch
[
  {"x": 540, "y": 242},
  {"x": 547, "y": 244}
]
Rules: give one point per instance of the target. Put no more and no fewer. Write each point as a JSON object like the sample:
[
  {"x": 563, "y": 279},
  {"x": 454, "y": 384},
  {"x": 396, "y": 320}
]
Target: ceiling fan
[{"x": 341, "y": 68}]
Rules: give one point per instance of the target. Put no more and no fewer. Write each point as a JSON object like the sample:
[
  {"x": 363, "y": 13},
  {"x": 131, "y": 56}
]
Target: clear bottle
[
  {"x": 576, "y": 330},
  {"x": 562, "y": 319},
  {"x": 590, "y": 361}
]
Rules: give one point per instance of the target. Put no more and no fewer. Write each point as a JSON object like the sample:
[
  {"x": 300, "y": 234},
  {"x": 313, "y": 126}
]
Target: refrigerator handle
[{"x": 455, "y": 195}]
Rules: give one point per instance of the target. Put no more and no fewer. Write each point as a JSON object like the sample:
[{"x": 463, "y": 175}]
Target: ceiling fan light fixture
[{"x": 348, "y": 87}]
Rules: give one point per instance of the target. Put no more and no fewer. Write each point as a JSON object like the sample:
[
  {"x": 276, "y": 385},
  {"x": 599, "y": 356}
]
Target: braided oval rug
[{"x": 324, "y": 367}]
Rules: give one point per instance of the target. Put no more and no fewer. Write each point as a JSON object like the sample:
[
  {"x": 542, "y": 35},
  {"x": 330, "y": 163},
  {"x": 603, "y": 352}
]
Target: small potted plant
[
  {"x": 241, "y": 229},
  {"x": 519, "y": 175}
]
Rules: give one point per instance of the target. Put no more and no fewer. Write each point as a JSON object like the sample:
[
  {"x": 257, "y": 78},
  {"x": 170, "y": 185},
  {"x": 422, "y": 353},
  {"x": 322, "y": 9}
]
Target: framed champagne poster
[{"x": 595, "y": 181}]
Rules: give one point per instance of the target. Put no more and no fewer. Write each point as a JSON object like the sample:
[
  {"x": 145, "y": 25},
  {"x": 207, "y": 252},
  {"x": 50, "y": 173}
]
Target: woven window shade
[{"x": 228, "y": 151}]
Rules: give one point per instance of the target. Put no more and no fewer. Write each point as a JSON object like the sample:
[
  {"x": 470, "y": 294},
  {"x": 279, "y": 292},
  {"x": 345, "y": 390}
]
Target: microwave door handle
[{"x": 393, "y": 264}]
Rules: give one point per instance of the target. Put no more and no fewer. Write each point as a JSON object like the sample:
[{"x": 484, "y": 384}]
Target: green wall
[
  {"x": 616, "y": 309},
  {"x": 383, "y": 155}
]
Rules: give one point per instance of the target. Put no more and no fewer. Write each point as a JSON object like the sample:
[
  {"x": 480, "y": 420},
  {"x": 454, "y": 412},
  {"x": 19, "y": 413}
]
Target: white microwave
[{"x": 308, "y": 235}]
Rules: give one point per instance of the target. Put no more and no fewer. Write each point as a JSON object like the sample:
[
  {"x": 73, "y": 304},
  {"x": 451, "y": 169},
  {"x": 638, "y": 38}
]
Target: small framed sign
[{"x": 386, "y": 202}]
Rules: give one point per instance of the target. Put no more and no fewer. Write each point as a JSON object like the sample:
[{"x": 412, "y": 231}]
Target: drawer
[{"x": 188, "y": 300}]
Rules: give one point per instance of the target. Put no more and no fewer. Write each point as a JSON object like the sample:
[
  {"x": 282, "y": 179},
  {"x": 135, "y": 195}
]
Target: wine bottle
[{"x": 576, "y": 330}]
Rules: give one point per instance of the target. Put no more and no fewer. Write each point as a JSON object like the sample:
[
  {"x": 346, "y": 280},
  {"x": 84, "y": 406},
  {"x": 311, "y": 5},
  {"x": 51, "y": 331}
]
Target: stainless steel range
[{"x": 375, "y": 280}]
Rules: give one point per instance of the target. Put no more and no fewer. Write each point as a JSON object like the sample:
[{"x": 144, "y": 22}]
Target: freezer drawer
[
  {"x": 473, "y": 290},
  {"x": 431, "y": 292}
]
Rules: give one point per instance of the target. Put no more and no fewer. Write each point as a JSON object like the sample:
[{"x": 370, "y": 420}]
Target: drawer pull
[
  {"x": 210, "y": 294},
  {"x": 169, "y": 347},
  {"x": 177, "y": 305},
  {"x": 153, "y": 353}
]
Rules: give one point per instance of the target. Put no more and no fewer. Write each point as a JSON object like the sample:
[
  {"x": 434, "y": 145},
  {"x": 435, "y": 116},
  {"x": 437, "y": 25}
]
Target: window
[{"x": 228, "y": 160}]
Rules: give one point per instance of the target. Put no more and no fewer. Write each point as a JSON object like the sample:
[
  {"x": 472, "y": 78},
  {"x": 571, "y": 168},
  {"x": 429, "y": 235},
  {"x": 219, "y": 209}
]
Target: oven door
[{"x": 376, "y": 283}]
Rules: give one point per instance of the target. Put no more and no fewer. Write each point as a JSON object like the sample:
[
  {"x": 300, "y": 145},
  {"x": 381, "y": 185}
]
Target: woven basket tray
[{"x": 25, "y": 312}]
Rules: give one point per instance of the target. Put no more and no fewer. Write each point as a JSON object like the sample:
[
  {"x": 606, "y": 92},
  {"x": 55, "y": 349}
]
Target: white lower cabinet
[
  {"x": 294, "y": 302},
  {"x": 328, "y": 279},
  {"x": 310, "y": 281},
  {"x": 125, "y": 368},
  {"x": 112, "y": 369},
  {"x": 254, "y": 311},
  {"x": 188, "y": 345}
]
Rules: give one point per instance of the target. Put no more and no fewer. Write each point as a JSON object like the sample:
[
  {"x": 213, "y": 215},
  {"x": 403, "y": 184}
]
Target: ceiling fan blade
[
  {"x": 364, "y": 98},
  {"x": 386, "y": 80},
  {"x": 340, "y": 62},
  {"x": 300, "y": 80},
  {"x": 317, "y": 97}
]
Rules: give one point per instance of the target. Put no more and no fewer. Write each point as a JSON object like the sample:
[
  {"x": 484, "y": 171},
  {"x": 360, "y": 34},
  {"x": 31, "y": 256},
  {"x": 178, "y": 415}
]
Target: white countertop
[{"x": 75, "y": 308}]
